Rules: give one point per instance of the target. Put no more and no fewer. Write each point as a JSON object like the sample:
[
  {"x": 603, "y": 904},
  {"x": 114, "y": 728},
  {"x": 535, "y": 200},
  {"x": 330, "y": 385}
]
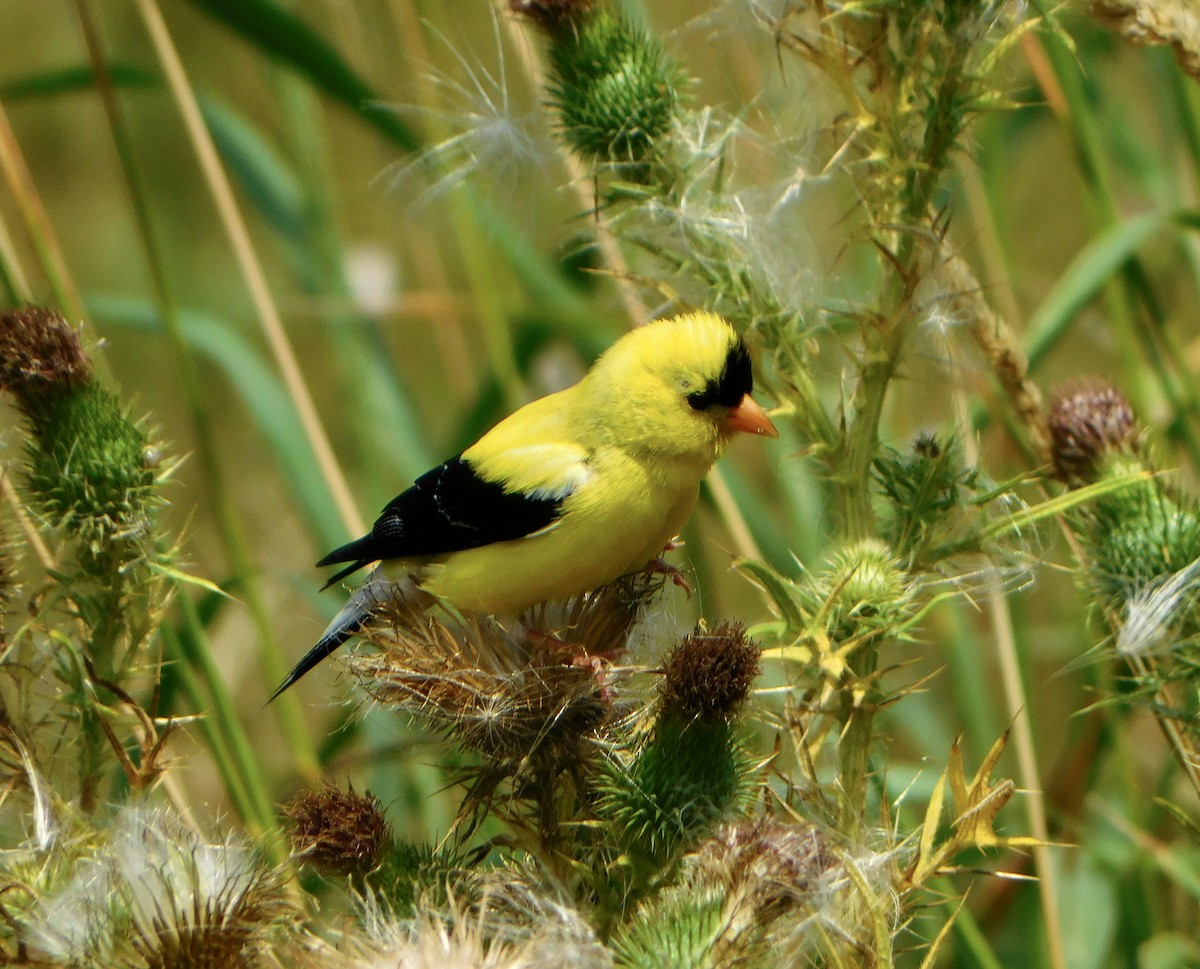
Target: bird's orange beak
[{"x": 749, "y": 418}]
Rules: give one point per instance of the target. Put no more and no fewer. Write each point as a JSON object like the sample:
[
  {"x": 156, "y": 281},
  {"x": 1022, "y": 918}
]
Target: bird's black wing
[{"x": 448, "y": 509}]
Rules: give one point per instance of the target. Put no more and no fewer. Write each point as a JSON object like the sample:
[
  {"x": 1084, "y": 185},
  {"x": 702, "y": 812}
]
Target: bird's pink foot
[
  {"x": 576, "y": 654},
  {"x": 659, "y": 566}
]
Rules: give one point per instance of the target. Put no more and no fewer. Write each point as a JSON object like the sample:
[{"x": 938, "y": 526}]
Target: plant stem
[{"x": 292, "y": 723}]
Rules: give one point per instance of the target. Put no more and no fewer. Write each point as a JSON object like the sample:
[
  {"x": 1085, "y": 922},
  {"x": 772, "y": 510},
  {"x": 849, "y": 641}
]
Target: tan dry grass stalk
[
  {"x": 1143, "y": 22},
  {"x": 250, "y": 266}
]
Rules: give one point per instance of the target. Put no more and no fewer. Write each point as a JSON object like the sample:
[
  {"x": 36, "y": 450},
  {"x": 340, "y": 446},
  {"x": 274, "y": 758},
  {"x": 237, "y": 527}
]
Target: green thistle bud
[
  {"x": 409, "y": 874},
  {"x": 87, "y": 466},
  {"x": 1089, "y": 420},
  {"x": 1138, "y": 535},
  {"x": 614, "y": 88},
  {"x": 864, "y": 590},
  {"x": 681, "y": 781},
  {"x": 692, "y": 769},
  {"x": 337, "y": 831}
]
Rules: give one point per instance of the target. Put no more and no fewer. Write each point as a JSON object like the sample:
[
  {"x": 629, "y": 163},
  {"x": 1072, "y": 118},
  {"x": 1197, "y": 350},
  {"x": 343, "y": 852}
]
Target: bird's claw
[
  {"x": 660, "y": 566},
  {"x": 577, "y": 655}
]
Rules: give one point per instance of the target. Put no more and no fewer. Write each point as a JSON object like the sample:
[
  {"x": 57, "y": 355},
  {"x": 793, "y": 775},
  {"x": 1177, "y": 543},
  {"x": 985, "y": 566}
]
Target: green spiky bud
[
  {"x": 925, "y": 487},
  {"x": 1139, "y": 534},
  {"x": 692, "y": 769},
  {"x": 409, "y": 873},
  {"x": 90, "y": 469},
  {"x": 614, "y": 87},
  {"x": 864, "y": 589},
  {"x": 683, "y": 779}
]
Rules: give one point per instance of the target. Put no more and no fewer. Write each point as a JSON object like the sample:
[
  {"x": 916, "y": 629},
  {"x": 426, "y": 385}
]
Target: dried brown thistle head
[
  {"x": 776, "y": 864},
  {"x": 553, "y": 16},
  {"x": 709, "y": 673},
  {"x": 40, "y": 352},
  {"x": 338, "y": 831},
  {"x": 1088, "y": 421},
  {"x": 509, "y": 694}
]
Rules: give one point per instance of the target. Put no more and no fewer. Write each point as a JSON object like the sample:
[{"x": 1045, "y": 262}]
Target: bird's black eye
[{"x": 734, "y": 382}]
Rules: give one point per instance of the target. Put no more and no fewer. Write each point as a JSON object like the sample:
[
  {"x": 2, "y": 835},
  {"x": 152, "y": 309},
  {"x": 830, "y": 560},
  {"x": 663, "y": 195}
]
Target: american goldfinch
[{"x": 570, "y": 492}]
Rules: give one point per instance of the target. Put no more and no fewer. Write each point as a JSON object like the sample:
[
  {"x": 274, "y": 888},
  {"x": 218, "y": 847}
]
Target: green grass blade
[
  {"x": 1097, "y": 263},
  {"x": 259, "y": 389},
  {"x": 71, "y": 80},
  {"x": 262, "y": 174},
  {"x": 285, "y": 37}
]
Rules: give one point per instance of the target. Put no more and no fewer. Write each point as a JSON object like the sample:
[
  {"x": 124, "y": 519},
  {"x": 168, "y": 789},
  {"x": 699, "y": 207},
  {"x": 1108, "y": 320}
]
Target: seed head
[
  {"x": 777, "y": 865},
  {"x": 339, "y": 831},
  {"x": 40, "y": 352},
  {"x": 553, "y": 16},
  {"x": 708, "y": 674},
  {"x": 1088, "y": 421}
]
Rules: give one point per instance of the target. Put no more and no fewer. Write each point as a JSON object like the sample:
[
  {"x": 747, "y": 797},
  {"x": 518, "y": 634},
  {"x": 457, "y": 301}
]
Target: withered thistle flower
[
  {"x": 709, "y": 673},
  {"x": 775, "y": 866},
  {"x": 1089, "y": 421},
  {"x": 512, "y": 923},
  {"x": 508, "y": 694},
  {"x": 528, "y": 699},
  {"x": 553, "y": 16},
  {"x": 338, "y": 831},
  {"x": 40, "y": 353}
]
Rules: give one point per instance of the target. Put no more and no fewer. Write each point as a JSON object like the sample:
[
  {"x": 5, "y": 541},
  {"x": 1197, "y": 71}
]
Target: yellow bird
[{"x": 570, "y": 492}]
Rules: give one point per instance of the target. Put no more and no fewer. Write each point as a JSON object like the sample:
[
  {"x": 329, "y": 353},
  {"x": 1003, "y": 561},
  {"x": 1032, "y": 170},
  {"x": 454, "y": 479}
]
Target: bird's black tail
[
  {"x": 354, "y": 615},
  {"x": 335, "y": 635}
]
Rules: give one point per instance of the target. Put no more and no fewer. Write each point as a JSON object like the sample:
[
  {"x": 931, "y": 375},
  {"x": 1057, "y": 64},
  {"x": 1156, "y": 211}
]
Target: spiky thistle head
[
  {"x": 614, "y": 87},
  {"x": 553, "y": 16},
  {"x": 709, "y": 673},
  {"x": 671, "y": 780},
  {"x": 337, "y": 831},
  {"x": 1090, "y": 421},
  {"x": 90, "y": 468},
  {"x": 40, "y": 353},
  {"x": 863, "y": 591}
]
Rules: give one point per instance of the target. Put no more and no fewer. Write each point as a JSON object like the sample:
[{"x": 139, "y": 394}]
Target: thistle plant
[
  {"x": 805, "y": 762},
  {"x": 92, "y": 478},
  {"x": 1140, "y": 556}
]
